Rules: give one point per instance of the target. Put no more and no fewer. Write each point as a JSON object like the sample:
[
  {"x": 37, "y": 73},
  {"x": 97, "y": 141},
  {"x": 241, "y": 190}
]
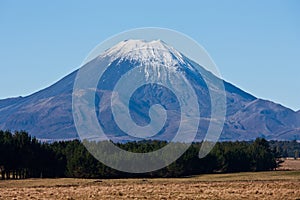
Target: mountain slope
[{"x": 47, "y": 114}]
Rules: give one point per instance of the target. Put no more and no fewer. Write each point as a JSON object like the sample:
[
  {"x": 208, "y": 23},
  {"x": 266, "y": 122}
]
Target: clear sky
[{"x": 255, "y": 44}]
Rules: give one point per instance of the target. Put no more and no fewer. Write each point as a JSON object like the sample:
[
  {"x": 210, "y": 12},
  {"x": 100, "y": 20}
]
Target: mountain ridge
[{"x": 47, "y": 114}]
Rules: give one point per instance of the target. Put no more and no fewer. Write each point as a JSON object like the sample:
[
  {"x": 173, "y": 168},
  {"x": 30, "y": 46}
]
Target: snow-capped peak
[{"x": 145, "y": 52}]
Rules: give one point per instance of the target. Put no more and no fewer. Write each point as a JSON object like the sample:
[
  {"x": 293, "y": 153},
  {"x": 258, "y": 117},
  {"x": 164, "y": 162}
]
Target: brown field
[
  {"x": 260, "y": 185},
  {"x": 290, "y": 164}
]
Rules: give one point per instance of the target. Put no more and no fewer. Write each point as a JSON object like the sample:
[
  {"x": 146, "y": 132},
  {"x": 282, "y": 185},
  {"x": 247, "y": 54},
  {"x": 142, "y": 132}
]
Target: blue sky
[{"x": 255, "y": 44}]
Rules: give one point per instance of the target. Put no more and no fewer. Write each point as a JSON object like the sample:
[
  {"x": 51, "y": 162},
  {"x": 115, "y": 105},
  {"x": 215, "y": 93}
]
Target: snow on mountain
[
  {"x": 148, "y": 53},
  {"x": 152, "y": 55}
]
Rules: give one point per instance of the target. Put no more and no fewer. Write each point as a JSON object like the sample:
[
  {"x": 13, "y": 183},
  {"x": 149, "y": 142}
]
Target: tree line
[
  {"x": 23, "y": 156},
  {"x": 286, "y": 149}
]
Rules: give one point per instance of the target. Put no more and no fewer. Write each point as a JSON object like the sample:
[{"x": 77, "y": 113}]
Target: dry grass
[
  {"x": 262, "y": 185},
  {"x": 291, "y": 164}
]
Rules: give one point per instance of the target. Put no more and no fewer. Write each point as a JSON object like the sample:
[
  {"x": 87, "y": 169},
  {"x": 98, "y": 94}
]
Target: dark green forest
[
  {"x": 22, "y": 156},
  {"x": 286, "y": 149}
]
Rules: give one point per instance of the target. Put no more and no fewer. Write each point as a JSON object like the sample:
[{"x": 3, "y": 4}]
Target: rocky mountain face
[{"x": 47, "y": 114}]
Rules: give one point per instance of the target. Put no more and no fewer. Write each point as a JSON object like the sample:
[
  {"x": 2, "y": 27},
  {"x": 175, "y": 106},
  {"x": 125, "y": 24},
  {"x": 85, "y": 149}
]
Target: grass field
[{"x": 259, "y": 185}]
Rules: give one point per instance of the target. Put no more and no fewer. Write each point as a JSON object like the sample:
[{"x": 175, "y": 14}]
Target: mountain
[{"x": 47, "y": 114}]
